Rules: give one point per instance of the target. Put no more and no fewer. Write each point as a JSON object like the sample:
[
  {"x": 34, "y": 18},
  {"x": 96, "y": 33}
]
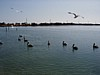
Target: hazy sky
[{"x": 46, "y": 10}]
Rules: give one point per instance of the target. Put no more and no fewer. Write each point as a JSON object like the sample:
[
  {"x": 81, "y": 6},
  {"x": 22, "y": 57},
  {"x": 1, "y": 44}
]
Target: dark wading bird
[
  {"x": 64, "y": 44},
  {"x": 29, "y": 45},
  {"x": 74, "y": 47},
  {"x": 48, "y": 43},
  {"x": 19, "y": 39},
  {"x": 20, "y": 36},
  {"x": 75, "y": 15},
  {"x": 1, "y": 43},
  {"x": 95, "y": 46},
  {"x": 25, "y": 39}
]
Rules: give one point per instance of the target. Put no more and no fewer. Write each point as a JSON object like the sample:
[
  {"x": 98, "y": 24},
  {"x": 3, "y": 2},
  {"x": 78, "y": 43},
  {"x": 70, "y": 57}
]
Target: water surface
[{"x": 17, "y": 59}]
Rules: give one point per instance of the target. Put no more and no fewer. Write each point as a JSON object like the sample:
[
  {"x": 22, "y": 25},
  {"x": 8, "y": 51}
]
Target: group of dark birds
[
  {"x": 63, "y": 43},
  {"x": 75, "y": 47},
  {"x": 30, "y": 45},
  {"x": 25, "y": 40}
]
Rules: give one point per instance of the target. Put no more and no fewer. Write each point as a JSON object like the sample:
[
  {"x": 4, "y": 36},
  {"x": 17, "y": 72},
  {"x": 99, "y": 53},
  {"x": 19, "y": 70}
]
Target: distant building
[
  {"x": 10, "y": 24},
  {"x": 17, "y": 24},
  {"x": 3, "y": 24},
  {"x": 23, "y": 24}
]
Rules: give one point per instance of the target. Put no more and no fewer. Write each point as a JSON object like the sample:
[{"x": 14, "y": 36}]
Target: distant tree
[{"x": 34, "y": 24}]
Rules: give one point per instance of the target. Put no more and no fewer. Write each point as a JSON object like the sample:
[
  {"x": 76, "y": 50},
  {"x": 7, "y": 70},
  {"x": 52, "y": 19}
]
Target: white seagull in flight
[
  {"x": 75, "y": 15},
  {"x": 18, "y": 11}
]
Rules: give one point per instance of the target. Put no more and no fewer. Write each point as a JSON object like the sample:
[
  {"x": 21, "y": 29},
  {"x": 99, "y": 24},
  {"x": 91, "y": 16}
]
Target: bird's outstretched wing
[
  {"x": 71, "y": 13},
  {"x": 75, "y": 15},
  {"x": 18, "y": 11},
  {"x": 81, "y": 16}
]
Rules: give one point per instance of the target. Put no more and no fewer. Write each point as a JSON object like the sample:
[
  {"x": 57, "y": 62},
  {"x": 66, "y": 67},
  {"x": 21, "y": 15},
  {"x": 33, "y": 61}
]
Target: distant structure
[
  {"x": 50, "y": 20},
  {"x": 75, "y": 15},
  {"x": 7, "y": 25},
  {"x": 26, "y": 20},
  {"x": 67, "y": 21}
]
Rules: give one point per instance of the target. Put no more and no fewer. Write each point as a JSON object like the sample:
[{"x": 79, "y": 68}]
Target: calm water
[{"x": 17, "y": 59}]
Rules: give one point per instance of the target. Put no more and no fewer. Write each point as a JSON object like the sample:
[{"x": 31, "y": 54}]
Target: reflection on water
[{"x": 18, "y": 59}]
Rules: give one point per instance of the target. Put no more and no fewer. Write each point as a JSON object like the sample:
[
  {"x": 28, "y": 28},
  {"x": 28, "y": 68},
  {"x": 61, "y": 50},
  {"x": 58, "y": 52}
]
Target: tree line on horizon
[{"x": 43, "y": 24}]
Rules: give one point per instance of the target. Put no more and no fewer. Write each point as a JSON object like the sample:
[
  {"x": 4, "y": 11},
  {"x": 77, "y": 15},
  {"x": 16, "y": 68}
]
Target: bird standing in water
[
  {"x": 64, "y": 44},
  {"x": 74, "y": 47},
  {"x": 95, "y": 46},
  {"x": 29, "y": 45},
  {"x": 48, "y": 43},
  {"x": 1, "y": 43}
]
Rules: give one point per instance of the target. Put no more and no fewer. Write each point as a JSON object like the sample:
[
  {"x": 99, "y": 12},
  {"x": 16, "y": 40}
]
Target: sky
[{"x": 12, "y": 11}]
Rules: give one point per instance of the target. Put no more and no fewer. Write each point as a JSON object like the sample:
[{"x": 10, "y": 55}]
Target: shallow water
[{"x": 17, "y": 59}]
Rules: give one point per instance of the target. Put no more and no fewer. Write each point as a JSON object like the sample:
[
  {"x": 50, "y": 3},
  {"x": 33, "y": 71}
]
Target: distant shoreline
[{"x": 47, "y": 24}]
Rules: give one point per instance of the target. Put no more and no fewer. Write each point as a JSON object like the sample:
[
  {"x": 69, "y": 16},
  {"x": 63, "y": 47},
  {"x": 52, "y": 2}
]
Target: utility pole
[
  {"x": 50, "y": 20},
  {"x": 26, "y": 20}
]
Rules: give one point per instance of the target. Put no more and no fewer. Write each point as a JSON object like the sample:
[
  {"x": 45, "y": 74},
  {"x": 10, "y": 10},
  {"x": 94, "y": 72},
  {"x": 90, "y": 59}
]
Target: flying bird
[
  {"x": 21, "y": 11},
  {"x": 18, "y": 11},
  {"x": 75, "y": 15},
  {"x": 12, "y": 8}
]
